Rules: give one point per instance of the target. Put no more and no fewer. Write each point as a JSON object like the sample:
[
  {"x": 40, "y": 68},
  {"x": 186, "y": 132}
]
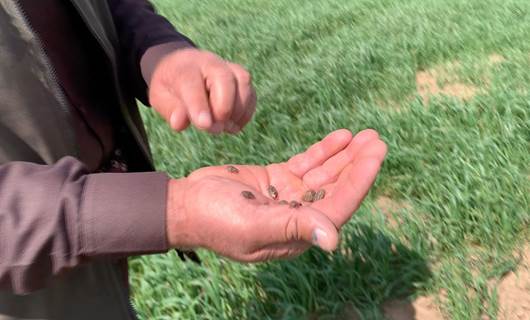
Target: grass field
[{"x": 447, "y": 85}]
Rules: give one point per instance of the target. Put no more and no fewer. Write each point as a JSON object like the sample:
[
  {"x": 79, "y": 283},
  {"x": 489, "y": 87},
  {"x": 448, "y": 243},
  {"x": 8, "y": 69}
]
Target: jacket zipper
[
  {"x": 126, "y": 300},
  {"x": 123, "y": 105},
  {"x": 63, "y": 102},
  {"x": 132, "y": 308},
  {"x": 124, "y": 111},
  {"x": 55, "y": 87}
]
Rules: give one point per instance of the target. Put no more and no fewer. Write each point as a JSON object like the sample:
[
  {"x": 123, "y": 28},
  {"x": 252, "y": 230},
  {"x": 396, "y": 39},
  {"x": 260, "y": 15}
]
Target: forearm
[
  {"x": 139, "y": 28},
  {"x": 55, "y": 217}
]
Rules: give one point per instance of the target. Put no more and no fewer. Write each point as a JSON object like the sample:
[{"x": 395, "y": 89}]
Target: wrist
[{"x": 176, "y": 216}]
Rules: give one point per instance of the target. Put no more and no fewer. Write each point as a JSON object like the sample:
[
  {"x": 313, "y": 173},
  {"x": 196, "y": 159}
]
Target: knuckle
[
  {"x": 291, "y": 231},
  {"x": 372, "y": 133},
  {"x": 188, "y": 75},
  {"x": 154, "y": 98},
  {"x": 159, "y": 103},
  {"x": 319, "y": 152},
  {"x": 224, "y": 74},
  {"x": 210, "y": 56},
  {"x": 245, "y": 78}
]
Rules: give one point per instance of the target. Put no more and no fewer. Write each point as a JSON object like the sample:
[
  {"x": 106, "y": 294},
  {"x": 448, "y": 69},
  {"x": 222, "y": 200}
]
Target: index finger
[{"x": 193, "y": 96}]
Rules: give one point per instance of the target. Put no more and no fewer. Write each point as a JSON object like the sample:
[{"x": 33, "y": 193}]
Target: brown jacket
[{"x": 61, "y": 227}]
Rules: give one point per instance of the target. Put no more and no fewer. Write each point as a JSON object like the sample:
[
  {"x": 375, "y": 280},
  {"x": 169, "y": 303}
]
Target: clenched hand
[
  {"x": 208, "y": 210},
  {"x": 196, "y": 86}
]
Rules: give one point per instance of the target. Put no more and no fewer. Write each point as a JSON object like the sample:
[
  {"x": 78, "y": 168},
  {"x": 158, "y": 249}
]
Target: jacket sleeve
[
  {"x": 55, "y": 217},
  {"x": 139, "y": 28}
]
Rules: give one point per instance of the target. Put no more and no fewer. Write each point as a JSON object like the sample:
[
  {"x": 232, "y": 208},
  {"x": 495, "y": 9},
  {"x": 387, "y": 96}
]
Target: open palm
[{"x": 344, "y": 166}]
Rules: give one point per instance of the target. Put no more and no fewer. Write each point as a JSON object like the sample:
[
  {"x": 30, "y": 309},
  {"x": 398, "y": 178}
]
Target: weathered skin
[{"x": 207, "y": 210}]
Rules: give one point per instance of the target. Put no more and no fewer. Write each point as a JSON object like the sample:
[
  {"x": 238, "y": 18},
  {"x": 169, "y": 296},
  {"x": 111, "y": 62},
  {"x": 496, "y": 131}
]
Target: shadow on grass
[{"x": 367, "y": 270}]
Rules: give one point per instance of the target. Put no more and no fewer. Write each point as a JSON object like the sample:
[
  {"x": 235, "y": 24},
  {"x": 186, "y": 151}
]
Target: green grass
[{"x": 461, "y": 167}]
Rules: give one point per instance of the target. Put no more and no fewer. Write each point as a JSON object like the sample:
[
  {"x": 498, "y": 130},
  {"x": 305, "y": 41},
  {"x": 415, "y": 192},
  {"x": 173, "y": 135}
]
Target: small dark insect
[
  {"x": 320, "y": 195},
  {"x": 309, "y": 196},
  {"x": 284, "y": 202},
  {"x": 232, "y": 169},
  {"x": 273, "y": 192},
  {"x": 294, "y": 204},
  {"x": 248, "y": 195}
]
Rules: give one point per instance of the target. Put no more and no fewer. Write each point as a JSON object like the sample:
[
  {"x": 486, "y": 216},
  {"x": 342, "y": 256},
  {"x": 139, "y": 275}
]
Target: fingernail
[
  {"x": 205, "y": 120},
  {"x": 318, "y": 236}
]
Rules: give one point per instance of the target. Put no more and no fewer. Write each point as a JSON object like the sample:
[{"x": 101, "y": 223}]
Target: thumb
[{"x": 282, "y": 225}]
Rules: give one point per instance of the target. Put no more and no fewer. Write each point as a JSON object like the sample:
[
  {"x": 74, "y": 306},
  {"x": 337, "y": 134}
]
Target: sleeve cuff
[{"x": 124, "y": 214}]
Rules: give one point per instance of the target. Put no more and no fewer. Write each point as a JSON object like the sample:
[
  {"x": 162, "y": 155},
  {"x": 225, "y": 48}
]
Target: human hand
[
  {"x": 191, "y": 85},
  {"x": 207, "y": 209}
]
